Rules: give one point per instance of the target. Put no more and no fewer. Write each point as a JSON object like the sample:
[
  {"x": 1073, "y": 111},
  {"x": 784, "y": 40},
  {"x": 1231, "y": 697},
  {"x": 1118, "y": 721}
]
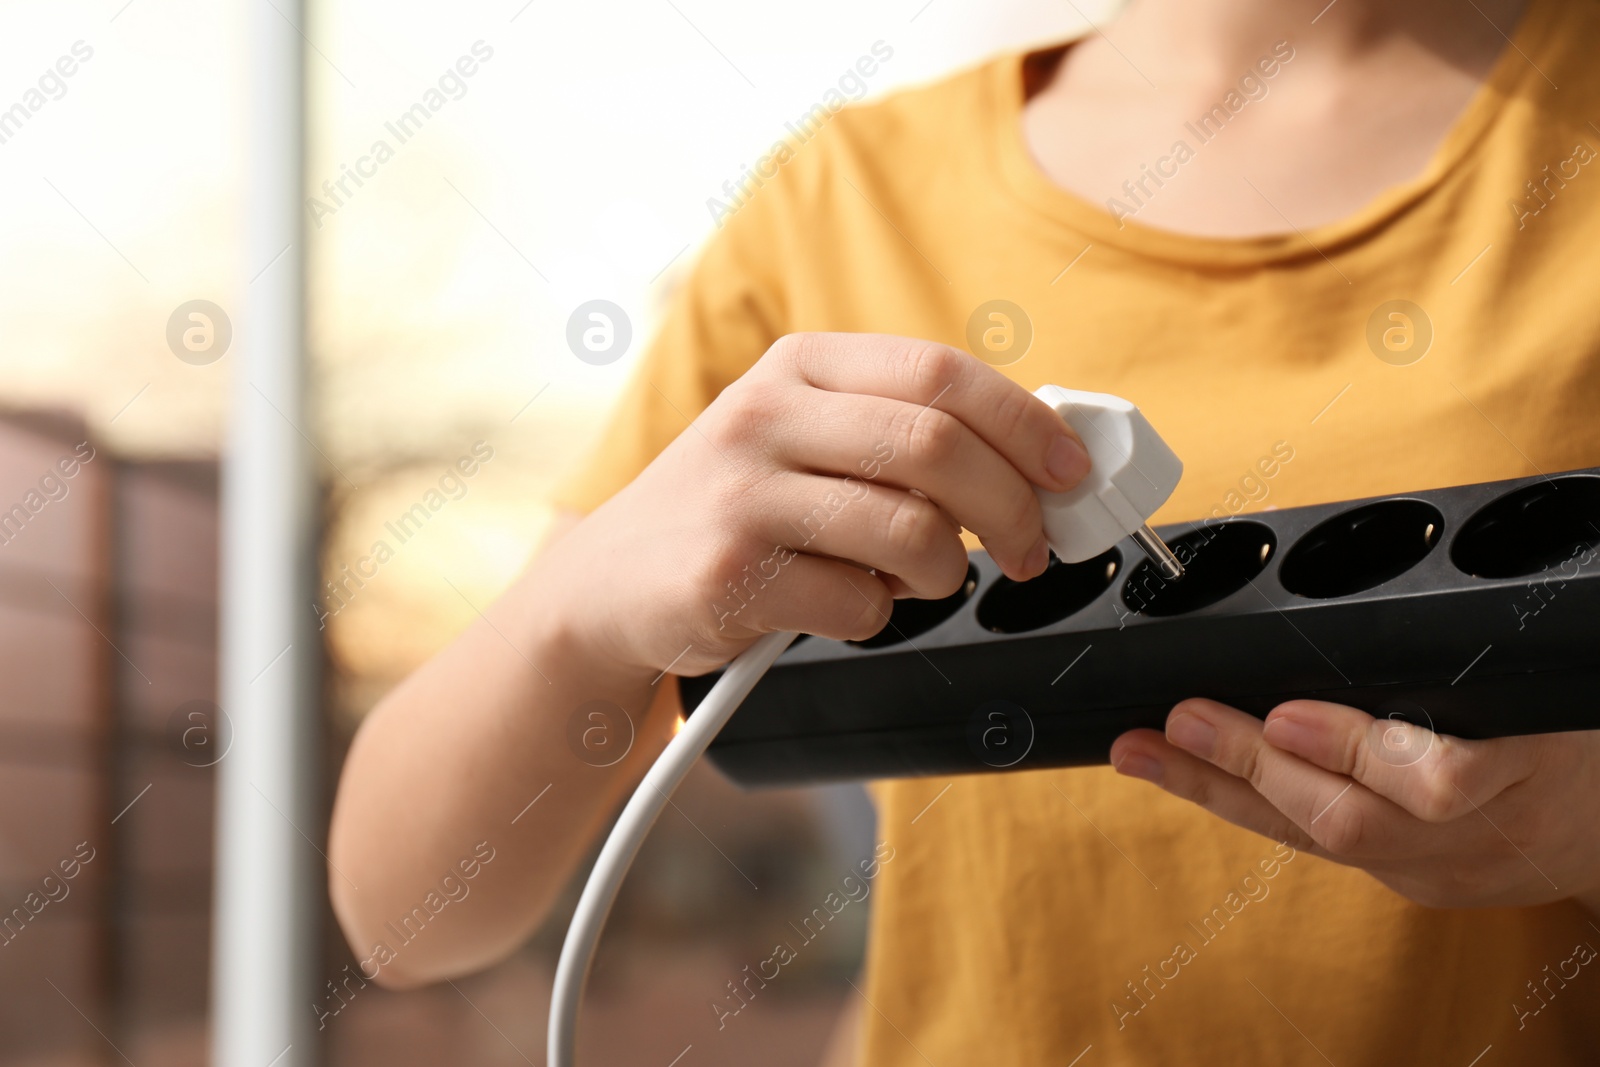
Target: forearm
[{"x": 454, "y": 757}]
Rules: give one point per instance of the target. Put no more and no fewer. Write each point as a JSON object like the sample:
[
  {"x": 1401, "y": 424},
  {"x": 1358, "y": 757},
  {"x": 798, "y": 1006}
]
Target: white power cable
[
  {"x": 646, "y": 804},
  {"x": 1132, "y": 473}
]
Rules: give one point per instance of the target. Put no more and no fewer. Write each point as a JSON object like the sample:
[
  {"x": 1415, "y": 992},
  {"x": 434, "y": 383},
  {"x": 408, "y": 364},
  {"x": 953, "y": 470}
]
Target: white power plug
[{"x": 1132, "y": 472}]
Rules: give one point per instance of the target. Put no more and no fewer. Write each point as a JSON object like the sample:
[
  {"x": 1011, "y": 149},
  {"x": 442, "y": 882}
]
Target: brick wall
[{"x": 107, "y": 625}]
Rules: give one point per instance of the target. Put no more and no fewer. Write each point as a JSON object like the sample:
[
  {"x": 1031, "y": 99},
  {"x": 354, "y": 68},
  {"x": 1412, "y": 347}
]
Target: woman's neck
[
  {"x": 1197, "y": 40},
  {"x": 1348, "y": 99}
]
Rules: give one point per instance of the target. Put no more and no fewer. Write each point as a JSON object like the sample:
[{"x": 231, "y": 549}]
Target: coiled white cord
[{"x": 640, "y": 814}]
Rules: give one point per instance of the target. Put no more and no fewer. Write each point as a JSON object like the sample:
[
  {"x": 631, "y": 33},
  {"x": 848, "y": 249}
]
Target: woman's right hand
[{"x": 832, "y": 477}]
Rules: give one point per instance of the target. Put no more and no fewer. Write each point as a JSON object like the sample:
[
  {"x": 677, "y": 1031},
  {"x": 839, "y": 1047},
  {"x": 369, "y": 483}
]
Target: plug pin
[{"x": 1159, "y": 553}]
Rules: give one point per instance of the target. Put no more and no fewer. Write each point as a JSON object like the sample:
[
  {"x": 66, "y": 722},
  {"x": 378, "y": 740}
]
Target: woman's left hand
[{"x": 1508, "y": 822}]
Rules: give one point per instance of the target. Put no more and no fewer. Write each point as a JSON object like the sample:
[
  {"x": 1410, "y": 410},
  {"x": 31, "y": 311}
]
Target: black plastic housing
[{"x": 1473, "y": 610}]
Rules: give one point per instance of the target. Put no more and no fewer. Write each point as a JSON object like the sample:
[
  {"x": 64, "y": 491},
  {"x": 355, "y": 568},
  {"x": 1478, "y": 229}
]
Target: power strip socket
[{"x": 1470, "y": 610}]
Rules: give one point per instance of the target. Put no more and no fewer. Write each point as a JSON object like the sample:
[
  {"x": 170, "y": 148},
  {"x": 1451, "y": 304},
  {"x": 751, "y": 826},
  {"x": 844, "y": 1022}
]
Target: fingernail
[
  {"x": 1038, "y": 558},
  {"x": 1067, "y": 461},
  {"x": 1291, "y": 736},
  {"x": 1136, "y": 766},
  {"x": 1192, "y": 734}
]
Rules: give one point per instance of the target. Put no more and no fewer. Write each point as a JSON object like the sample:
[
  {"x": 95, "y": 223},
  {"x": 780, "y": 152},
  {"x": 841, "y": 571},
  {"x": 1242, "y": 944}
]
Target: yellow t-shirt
[{"x": 1028, "y": 916}]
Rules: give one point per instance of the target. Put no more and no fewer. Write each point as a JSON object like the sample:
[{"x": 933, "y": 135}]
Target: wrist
[{"x": 563, "y": 609}]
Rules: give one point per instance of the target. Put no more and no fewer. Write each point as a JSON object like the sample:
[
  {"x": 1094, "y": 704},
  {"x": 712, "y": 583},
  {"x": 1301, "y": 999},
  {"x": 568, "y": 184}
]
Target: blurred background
[{"x": 576, "y": 163}]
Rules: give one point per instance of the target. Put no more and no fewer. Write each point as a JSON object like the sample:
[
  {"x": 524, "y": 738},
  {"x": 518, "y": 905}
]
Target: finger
[
  {"x": 1340, "y": 814},
  {"x": 1017, "y": 424},
  {"x": 1148, "y": 755},
  {"x": 1434, "y": 777},
  {"x": 890, "y": 442},
  {"x": 889, "y": 530},
  {"x": 812, "y": 595}
]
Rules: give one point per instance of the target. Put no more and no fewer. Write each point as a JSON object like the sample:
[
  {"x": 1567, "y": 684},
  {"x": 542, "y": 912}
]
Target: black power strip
[{"x": 1472, "y": 610}]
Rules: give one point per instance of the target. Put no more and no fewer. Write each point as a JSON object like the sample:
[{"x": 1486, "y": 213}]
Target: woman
[{"x": 1343, "y": 242}]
